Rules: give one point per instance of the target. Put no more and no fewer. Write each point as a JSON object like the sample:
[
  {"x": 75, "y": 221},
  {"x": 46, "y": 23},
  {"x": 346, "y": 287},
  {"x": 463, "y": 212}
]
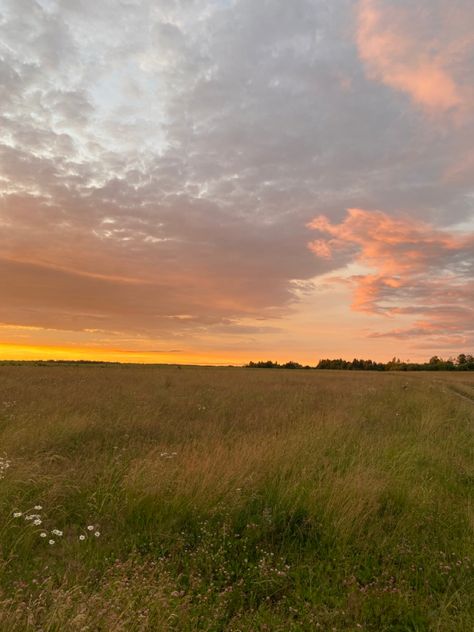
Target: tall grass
[{"x": 235, "y": 499}]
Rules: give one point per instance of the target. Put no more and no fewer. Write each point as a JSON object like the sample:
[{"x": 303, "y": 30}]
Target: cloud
[
  {"x": 409, "y": 268},
  {"x": 403, "y": 46},
  {"x": 163, "y": 158}
]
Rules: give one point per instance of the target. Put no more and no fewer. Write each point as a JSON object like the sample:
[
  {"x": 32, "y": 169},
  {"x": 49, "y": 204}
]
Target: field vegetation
[{"x": 159, "y": 498}]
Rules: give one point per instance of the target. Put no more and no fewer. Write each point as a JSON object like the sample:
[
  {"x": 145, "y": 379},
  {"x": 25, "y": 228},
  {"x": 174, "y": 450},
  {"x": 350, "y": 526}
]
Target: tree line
[{"x": 462, "y": 362}]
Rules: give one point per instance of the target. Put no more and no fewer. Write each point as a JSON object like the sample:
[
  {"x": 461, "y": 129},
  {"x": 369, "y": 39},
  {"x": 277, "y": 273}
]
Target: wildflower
[
  {"x": 38, "y": 507},
  {"x": 17, "y": 514},
  {"x": 90, "y": 527},
  {"x": 82, "y": 537},
  {"x": 51, "y": 541},
  {"x": 37, "y": 522},
  {"x": 43, "y": 534},
  {"x": 57, "y": 532},
  {"x": 97, "y": 534}
]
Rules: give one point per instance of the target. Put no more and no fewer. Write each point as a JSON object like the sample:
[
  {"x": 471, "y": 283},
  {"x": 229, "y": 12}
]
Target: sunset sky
[{"x": 218, "y": 181}]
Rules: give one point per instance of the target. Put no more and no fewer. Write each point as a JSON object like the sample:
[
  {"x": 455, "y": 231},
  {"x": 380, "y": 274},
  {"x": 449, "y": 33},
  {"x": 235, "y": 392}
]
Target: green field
[{"x": 235, "y": 499}]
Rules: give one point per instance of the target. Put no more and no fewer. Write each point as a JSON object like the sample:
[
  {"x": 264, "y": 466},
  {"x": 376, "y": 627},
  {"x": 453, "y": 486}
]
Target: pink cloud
[
  {"x": 423, "y": 53},
  {"x": 413, "y": 269}
]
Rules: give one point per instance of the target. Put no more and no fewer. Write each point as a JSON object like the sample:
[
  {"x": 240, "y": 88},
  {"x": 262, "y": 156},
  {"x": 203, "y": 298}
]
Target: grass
[{"x": 235, "y": 499}]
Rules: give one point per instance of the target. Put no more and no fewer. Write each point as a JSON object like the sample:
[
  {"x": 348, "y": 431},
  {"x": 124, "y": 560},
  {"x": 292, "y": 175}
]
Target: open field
[{"x": 235, "y": 499}]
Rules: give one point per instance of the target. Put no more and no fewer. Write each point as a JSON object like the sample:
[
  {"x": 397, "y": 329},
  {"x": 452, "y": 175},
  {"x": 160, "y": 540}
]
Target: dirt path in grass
[
  {"x": 451, "y": 388},
  {"x": 466, "y": 397}
]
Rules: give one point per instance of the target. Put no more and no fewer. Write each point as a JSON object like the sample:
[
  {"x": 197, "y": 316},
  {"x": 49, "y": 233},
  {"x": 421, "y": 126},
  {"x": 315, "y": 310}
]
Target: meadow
[{"x": 165, "y": 498}]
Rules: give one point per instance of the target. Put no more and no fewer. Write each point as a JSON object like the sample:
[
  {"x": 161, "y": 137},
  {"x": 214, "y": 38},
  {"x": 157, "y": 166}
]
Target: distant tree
[
  {"x": 395, "y": 364},
  {"x": 463, "y": 362},
  {"x": 268, "y": 364}
]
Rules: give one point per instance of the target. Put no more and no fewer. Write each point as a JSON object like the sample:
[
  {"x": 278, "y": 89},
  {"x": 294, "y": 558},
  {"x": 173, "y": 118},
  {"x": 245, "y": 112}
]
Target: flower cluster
[
  {"x": 168, "y": 455},
  {"x": 52, "y": 535},
  {"x": 36, "y": 520},
  {"x": 92, "y": 529},
  {"x": 4, "y": 465}
]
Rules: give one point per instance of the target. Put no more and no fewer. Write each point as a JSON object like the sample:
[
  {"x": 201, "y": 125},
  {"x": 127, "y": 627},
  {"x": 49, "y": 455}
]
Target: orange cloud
[
  {"x": 413, "y": 269},
  {"x": 405, "y": 48},
  {"x": 393, "y": 245}
]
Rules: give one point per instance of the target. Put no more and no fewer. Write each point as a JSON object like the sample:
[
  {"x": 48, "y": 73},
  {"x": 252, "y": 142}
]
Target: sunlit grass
[{"x": 235, "y": 499}]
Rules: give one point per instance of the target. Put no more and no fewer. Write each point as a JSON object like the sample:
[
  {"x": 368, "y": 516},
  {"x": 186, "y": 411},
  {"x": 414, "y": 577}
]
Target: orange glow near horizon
[{"x": 19, "y": 352}]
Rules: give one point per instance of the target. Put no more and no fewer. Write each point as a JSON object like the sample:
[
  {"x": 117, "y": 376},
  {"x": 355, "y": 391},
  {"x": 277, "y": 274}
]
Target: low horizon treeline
[
  {"x": 58, "y": 362},
  {"x": 463, "y": 362}
]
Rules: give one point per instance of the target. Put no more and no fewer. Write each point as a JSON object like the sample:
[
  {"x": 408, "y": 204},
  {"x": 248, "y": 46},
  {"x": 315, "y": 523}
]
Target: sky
[{"x": 218, "y": 181}]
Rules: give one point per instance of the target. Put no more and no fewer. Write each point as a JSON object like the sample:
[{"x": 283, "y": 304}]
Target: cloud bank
[{"x": 160, "y": 161}]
